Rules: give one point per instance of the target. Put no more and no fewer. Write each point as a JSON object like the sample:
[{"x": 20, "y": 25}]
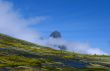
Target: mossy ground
[{"x": 20, "y": 55}]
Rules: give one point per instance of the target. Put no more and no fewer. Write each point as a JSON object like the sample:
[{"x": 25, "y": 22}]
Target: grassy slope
[{"x": 19, "y": 55}]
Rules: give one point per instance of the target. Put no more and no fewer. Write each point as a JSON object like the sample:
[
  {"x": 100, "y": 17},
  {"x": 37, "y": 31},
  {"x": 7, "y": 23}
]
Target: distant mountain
[
  {"x": 20, "y": 55},
  {"x": 55, "y": 34}
]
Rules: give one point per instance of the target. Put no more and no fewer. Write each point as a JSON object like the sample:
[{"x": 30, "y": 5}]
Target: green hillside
[{"x": 20, "y": 55}]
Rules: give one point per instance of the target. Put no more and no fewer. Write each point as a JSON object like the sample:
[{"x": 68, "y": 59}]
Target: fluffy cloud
[
  {"x": 13, "y": 23},
  {"x": 83, "y": 48}
]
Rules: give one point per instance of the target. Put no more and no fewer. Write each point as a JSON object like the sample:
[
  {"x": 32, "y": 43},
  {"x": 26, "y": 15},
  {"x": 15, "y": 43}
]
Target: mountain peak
[{"x": 55, "y": 34}]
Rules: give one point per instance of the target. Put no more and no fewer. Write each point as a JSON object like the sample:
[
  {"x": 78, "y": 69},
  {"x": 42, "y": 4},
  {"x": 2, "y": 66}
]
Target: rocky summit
[{"x": 55, "y": 34}]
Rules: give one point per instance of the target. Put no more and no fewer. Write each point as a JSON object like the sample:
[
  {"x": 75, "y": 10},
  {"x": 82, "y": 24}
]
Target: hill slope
[{"x": 20, "y": 55}]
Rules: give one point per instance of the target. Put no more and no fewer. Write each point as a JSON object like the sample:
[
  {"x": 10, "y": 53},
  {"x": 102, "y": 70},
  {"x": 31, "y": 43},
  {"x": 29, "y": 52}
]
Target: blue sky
[{"x": 77, "y": 20}]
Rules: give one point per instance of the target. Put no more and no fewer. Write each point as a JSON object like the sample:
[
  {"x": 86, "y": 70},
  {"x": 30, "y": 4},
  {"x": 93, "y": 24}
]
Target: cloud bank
[
  {"x": 14, "y": 24},
  {"x": 83, "y": 48}
]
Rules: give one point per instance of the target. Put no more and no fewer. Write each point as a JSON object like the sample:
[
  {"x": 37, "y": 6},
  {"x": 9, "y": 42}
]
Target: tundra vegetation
[{"x": 20, "y": 55}]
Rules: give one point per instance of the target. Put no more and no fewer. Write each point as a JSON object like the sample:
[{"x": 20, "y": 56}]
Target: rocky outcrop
[{"x": 55, "y": 34}]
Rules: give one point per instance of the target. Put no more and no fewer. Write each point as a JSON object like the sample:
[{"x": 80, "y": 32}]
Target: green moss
[{"x": 32, "y": 57}]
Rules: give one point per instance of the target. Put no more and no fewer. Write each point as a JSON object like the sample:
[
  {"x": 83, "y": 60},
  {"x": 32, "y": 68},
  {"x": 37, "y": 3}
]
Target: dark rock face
[{"x": 55, "y": 34}]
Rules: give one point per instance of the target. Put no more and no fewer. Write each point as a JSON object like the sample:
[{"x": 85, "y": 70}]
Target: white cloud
[
  {"x": 13, "y": 23},
  {"x": 83, "y": 48}
]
